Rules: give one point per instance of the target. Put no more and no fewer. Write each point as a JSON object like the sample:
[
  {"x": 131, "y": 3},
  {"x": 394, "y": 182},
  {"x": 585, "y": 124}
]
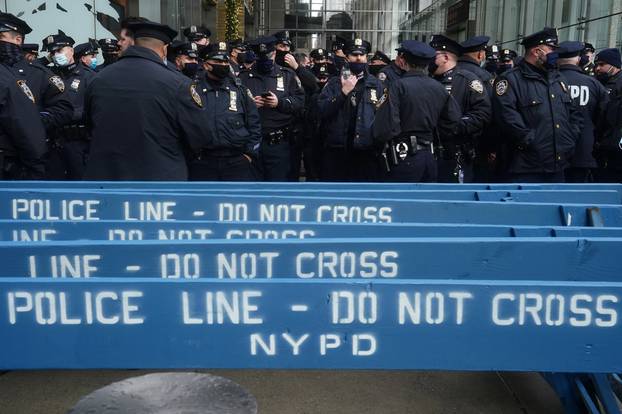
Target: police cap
[
  {"x": 380, "y": 56},
  {"x": 319, "y": 54},
  {"x": 181, "y": 48},
  {"x": 547, "y": 36},
  {"x": 194, "y": 33},
  {"x": 338, "y": 43},
  {"x": 570, "y": 49},
  {"x": 84, "y": 49},
  {"x": 323, "y": 70},
  {"x": 418, "y": 51},
  {"x": 357, "y": 47},
  {"x": 237, "y": 44},
  {"x": 610, "y": 56},
  {"x": 30, "y": 47},
  {"x": 263, "y": 45},
  {"x": 10, "y": 23},
  {"x": 57, "y": 41},
  {"x": 108, "y": 45},
  {"x": 492, "y": 51},
  {"x": 444, "y": 44},
  {"x": 589, "y": 47},
  {"x": 475, "y": 44},
  {"x": 283, "y": 37},
  {"x": 215, "y": 51},
  {"x": 507, "y": 55},
  {"x": 152, "y": 30}
]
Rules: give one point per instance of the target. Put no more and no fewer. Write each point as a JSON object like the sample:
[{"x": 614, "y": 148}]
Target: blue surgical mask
[
  {"x": 60, "y": 59},
  {"x": 93, "y": 64}
]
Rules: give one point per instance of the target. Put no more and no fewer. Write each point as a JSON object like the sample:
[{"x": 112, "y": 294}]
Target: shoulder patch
[
  {"x": 24, "y": 87},
  {"x": 382, "y": 76},
  {"x": 477, "y": 86},
  {"x": 195, "y": 96},
  {"x": 502, "y": 87},
  {"x": 58, "y": 82}
]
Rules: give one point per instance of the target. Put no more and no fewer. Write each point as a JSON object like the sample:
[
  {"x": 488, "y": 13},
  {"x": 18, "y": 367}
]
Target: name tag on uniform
[
  {"x": 373, "y": 96},
  {"x": 233, "y": 101},
  {"x": 280, "y": 83},
  {"x": 75, "y": 84}
]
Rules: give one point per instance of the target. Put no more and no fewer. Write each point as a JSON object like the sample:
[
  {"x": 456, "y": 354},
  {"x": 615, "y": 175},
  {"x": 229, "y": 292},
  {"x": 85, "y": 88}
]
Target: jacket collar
[{"x": 142, "y": 52}]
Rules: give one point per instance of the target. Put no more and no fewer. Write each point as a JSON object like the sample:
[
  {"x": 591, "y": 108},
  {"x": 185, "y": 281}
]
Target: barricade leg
[{"x": 584, "y": 393}]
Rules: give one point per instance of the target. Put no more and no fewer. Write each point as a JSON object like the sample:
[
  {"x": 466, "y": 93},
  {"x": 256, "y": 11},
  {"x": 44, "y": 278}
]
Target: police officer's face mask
[
  {"x": 548, "y": 61},
  {"x": 264, "y": 64},
  {"x": 357, "y": 67},
  {"x": 60, "y": 59},
  {"x": 190, "y": 69},
  {"x": 93, "y": 64},
  {"x": 220, "y": 71},
  {"x": 280, "y": 58},
  {"x": 375, "y": 69}
]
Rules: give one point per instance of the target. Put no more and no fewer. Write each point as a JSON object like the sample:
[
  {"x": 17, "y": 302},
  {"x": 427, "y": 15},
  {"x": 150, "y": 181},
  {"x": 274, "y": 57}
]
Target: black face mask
[
  {"x": 264, "y": 65},
  {"x": 491, "y": 66},
  {"x": 503, "y": 68},
  {"x": 10, "y": 53},
  {"x": 220, "y": 71},
  {"x": 339, "y": 62},
  {"x": 375, "y": 69},
  {"x": 280, "y": 58},
  {"x": 190, "y": 70},
  {"x": 432, "y": 67},
  {"x": 110, "y": 58},
  {"x": 241, "y": 58}
]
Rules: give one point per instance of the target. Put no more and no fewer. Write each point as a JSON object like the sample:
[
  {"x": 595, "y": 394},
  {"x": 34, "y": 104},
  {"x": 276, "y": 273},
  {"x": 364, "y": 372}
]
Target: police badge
[
  {"x": 502, "y": 87},
  {"x": 477, "y": 86},
  {"x": 24, "y": 87},
  {"x": 58, "y": 82},
  {"x": 382, "y": 76},
  {"x": 373, "y": 97},
  {"x": 75, "y": 84},
  {"x": 280, "y": 83},
  {"x": 195, "y": 96},
  {"x": 233, "y": 101}
]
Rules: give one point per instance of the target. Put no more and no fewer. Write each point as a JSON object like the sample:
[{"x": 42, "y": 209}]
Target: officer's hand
[
  {"x": 259, "y": 101},
  {"x": 291, "y": 61},
  {"x": 272, "y": 101},
  {"x": 348, "y": 84}
]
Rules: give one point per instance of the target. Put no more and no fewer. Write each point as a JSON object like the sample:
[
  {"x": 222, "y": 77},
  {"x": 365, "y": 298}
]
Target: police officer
[
  {"x": 47, "y": 89},
  {"x": 377, "y": 62},
  {"x": 608, "y": 71},
  {"x": 592, "y": 99},
  {"x": 22, "y": 136},
  {"x": 185, "y": 57},
  {"x": 110, "y": 51},
  {"x": 69, "y": 142},
  {"x": 143, "y": 129},
  {"x": 415, "y": 110},
  {"x": 315, "y": 134},
  {"x": 587, "y": 59},
  {"x": 457, "y": 156},
  {"x": 237, "y": 55},
  {"x": 198, "y": 35},
  {"x": 126, "y": 37},
  {"x": 347, "y": 105},
  {"x": 232, "y": 147},
  {"x": 86, "y": 55},
  {"x": 279, "y": 96},
  {"x": 31, "y": 51},
  {"x": 535, "y": 113},
  {"x": 506, "y": 60},
  {"x": 473, "y": 54},
  {"x": 392, "y": 71}
]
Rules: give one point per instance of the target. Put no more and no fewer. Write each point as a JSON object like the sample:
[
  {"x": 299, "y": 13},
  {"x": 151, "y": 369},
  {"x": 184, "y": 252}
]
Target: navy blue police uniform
[
  {"x": 537, "y": 117},
  {"x": 349, "y": 153},
  {"x": 143, "y": 115},
  {"x": 592, "y": 99},
  {"x": 414, "y": 111},
  {"x": 231, "y": 148},
  {"x": 609, "y": 143},
  {"x": 191, "y": 68},
  {"x": 276, "y": 123},
  {"x": 467, "y": 63},
  {"x": 457, "y": 155},
  {"x": 70, "y": 142},
  {"x": 22, "y": 136}
]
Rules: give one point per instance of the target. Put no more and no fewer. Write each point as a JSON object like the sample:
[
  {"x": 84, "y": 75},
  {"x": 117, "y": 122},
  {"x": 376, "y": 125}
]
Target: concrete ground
[{"x": 313, "y": 392}]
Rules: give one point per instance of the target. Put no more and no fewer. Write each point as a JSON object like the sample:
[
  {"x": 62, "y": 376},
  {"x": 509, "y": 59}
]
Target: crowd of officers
[{"x": 162, "y": 109}]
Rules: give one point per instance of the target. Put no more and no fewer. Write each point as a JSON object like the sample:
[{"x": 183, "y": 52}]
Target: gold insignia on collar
[
  {"x": 477, "y": 86},
  {"x": 502, "y": 87},
  {"x": 195, "y": 96},
  {"x": 24, "y": 87},
  {"x": 58, "y": 82}
]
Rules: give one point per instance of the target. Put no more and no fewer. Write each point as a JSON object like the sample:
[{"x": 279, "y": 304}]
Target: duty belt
[{"x": 275, "y": 137}]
